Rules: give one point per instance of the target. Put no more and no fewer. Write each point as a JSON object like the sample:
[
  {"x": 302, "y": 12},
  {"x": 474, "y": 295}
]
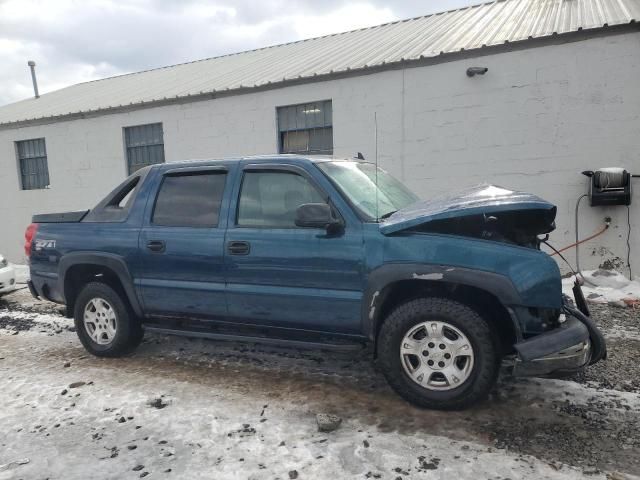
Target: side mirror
[{"x": 316, "y": 215}]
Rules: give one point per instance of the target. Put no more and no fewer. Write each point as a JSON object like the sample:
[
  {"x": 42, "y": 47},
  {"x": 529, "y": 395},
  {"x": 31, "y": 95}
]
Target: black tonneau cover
[{"x": 64, "y": 217}]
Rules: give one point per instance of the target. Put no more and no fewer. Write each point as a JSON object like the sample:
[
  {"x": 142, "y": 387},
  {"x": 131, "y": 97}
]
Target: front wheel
[
  {"x": 105, "y": 324},
  {"x": 438, "y": 353}
]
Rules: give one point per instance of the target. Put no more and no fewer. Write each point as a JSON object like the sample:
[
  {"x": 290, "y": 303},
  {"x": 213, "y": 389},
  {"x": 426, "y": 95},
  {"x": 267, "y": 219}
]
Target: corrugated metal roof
[{"x": 469, "y": 28}]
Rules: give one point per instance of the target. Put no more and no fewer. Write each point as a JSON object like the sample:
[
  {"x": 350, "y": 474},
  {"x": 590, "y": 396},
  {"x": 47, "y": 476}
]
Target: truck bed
[{"x": 64, "y": 217}]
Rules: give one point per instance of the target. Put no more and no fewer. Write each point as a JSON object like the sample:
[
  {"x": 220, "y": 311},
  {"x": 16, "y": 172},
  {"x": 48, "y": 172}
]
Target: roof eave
[{"x": 508, "y": 46}]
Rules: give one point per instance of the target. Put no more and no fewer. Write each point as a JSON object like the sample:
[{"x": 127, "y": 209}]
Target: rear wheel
[
  {"x": 104, "y": 321},
  {"x": 438, "y": 353}
]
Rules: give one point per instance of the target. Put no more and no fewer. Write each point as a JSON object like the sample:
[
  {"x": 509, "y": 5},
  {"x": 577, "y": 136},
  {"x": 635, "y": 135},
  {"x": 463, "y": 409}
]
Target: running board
[{"x": 283, "y": 342}]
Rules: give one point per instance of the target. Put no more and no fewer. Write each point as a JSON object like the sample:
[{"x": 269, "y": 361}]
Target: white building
[{"x": 561, "y": 95}]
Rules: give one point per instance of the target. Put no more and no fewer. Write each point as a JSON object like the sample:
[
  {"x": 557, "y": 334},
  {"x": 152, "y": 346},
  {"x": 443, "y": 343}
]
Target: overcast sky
[{"x": 78, "y": 40}]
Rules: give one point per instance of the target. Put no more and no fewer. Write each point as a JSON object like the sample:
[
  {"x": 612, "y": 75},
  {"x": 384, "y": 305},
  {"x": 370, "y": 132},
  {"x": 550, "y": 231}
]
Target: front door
[
  {"x": 182, "y": 244},
  {"x": 287, "y": 276}
]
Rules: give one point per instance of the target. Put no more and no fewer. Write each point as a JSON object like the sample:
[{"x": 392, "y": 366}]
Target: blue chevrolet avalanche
[{"x": 320, "y": 252}]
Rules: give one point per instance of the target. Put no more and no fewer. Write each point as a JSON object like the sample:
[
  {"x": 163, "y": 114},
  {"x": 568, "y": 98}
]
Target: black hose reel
[{"x": 609, "y": 186}]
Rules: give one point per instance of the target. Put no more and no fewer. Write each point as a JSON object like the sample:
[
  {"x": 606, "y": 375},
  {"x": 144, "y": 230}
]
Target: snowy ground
[
  {"x": 218, "y": 410},
  {"x": 607, "y": 287}
]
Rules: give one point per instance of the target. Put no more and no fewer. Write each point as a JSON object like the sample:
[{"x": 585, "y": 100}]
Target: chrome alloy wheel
[
  {"x": 436, "y": 355},
  {"x": 100, "y": 321}
]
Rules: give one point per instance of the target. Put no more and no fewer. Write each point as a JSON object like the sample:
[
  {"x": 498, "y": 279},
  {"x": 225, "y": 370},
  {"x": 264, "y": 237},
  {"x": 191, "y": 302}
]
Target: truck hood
[{"x": 482, "y": 200}]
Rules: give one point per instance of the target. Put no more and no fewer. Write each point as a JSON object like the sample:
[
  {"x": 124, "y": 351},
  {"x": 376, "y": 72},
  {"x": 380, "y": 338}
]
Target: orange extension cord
[{"x": 582, "y": 241}]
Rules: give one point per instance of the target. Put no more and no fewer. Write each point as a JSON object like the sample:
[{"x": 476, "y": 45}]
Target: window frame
[
  {"x": 279, "y": 168},
  {"x": 363, "y": 217},
  {"x": 128, "y": 188},
  {"x": 108, "y": 212},
  {"x": 183, "y": 172},
  {"x": 281, "y": 133},
  {"x": 20, "y": 159},
  {"x": 126, "y": 147}
]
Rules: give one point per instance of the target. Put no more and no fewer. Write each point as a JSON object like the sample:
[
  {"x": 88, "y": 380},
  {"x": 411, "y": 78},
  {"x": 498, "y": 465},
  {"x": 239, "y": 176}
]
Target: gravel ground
[
  {"x": 262, "y": 396},
  {"x": 621, "y": 370}
]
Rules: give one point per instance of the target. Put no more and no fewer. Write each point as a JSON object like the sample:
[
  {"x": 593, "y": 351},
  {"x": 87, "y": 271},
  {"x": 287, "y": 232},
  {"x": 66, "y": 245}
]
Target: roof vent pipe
[{"x": 32, "y": 66}]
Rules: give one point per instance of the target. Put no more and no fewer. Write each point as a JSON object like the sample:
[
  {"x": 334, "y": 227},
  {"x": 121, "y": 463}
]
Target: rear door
[
  {"x": 288, "y": 276},
  {"x": 182, "y": 243}
]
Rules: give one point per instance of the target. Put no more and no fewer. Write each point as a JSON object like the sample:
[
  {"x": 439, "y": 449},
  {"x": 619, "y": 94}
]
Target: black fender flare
[
  {"x": 113, "y": 262},
  {"x": 374, "y": 296}
]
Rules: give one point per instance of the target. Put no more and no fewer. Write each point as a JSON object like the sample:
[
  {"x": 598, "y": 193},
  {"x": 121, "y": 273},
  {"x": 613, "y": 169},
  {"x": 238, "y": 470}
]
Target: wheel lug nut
[
  {"x": 442, "y": 346},
  {"x": 430, "y": 363},
  {"x": 425, "y": 353},
  {"x": 447, "y": 356},
  {"x": 431, "y": 345},
  {"x": 441, "y": 364}
]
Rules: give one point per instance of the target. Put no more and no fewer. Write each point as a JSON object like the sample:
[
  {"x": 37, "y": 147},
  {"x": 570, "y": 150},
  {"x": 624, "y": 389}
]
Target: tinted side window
[
  {"x": 191, "y": 200},
  {"x": 270, "y": 199},
  {"x": 124, "y": 196}
]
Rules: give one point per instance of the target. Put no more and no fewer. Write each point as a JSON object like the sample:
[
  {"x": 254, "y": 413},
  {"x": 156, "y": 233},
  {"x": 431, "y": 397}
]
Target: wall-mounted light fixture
[{"x": 473, "y": 71}]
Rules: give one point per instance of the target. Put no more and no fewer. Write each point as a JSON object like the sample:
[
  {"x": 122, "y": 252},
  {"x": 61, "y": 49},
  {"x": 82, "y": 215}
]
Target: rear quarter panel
[{"x": 55, "y": 240}]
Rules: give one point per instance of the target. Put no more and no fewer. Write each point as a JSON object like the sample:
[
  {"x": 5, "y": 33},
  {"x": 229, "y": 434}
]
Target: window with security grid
[
  {"x": 306, "y": 128},
  {"x": 145, "y": 146},
  {"x": 32, "y": 158}
]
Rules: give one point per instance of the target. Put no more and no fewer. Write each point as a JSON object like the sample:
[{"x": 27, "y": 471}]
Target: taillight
[{"x": 28, "y": 238}]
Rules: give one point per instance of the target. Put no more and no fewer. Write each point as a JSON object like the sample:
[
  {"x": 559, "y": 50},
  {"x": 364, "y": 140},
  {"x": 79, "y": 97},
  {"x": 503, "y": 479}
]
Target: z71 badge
[{"x": 41, "y": 244}]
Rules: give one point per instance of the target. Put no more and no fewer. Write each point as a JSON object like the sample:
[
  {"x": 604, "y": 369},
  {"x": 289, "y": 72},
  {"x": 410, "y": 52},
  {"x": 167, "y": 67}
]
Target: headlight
[{"x": 3, "y": 262}]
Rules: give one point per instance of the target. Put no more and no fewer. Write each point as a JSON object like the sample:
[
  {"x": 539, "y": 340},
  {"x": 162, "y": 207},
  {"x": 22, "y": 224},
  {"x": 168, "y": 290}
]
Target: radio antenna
[{"x": 375, "y": 126}]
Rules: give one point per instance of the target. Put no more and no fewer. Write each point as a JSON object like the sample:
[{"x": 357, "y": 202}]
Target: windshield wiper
[{"x": 388, "y": 214}]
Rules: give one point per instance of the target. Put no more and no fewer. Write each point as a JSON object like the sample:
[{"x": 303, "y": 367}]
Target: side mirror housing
[{"x": 316, "y": 215}]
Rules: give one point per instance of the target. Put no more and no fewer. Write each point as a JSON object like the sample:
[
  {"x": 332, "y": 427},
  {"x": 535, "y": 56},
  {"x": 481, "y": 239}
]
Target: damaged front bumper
[{"x": 576, "y": 343}]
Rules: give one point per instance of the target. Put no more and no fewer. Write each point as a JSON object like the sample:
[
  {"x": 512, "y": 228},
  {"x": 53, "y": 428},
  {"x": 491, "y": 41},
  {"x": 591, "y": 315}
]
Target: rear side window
[
  {"x": 124, "y": 196},
  {"x": 190, "y": 200}
]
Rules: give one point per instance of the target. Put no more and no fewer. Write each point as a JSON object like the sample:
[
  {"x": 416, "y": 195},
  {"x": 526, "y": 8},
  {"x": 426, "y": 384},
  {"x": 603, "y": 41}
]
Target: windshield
[{"x": 357, "y": 180}]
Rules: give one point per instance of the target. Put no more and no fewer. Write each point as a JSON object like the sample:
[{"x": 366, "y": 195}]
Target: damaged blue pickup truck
[{"x": 320, "y": 252}]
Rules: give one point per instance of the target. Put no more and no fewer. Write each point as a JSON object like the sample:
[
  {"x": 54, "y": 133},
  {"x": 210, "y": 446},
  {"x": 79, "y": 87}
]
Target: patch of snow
[
  {"x": 625, "y": 332},
  {"x": 562, "y": 390},
  {"x": 605, "y": 286},
  {"x": 41, "y": 318},
  {"x": 31, "y": 323},
  {"x": 7, "y": 466}
]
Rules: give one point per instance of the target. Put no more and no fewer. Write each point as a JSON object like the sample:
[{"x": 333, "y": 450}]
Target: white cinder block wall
[{"x": 533, "y": 122}]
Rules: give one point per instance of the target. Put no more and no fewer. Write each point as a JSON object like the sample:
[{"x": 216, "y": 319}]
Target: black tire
[
  {"x": 486, "y": 360},
  {"x": 129, "y": 332}
]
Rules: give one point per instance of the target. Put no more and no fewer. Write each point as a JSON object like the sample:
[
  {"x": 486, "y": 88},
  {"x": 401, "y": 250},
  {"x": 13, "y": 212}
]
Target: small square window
[
  {"x": 145, "y": 146},
  {"x": 32, "y": 159},
  {"x": 306, "y": 128}
]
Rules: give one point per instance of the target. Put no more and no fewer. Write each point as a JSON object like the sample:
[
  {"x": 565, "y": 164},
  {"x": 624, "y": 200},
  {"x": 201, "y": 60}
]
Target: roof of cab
[{"x": 273, "y": 158}]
